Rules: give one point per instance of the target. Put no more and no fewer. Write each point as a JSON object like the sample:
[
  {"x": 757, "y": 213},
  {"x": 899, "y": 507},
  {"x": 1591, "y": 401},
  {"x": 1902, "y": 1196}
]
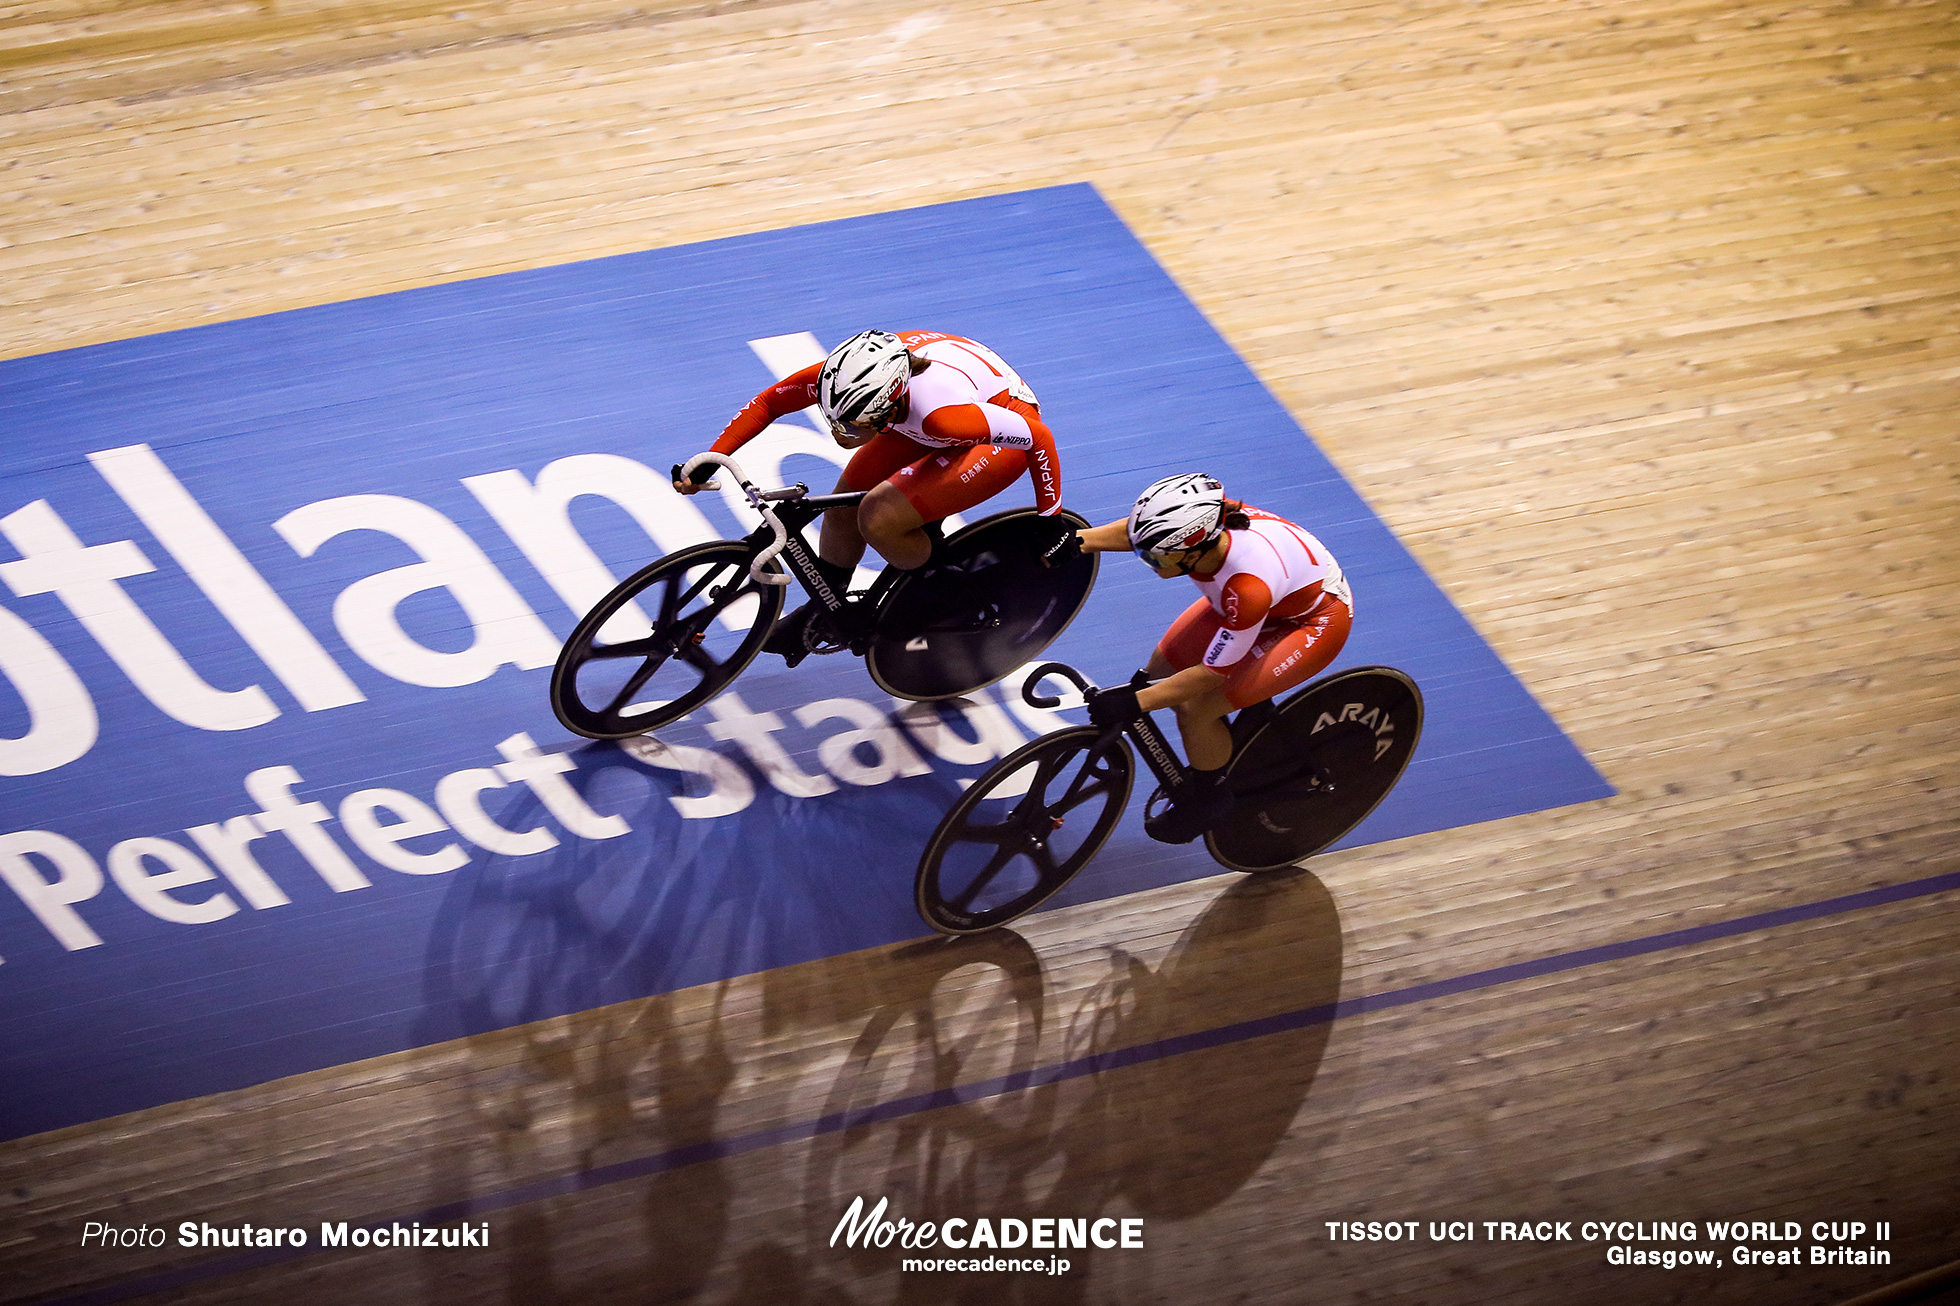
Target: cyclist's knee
[
  {"x": 886, "y": 516},
  {"x": 1209, "y": 707}
]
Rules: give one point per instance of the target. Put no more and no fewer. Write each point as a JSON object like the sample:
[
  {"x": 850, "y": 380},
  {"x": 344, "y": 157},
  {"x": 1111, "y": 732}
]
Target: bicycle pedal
[{"x": 821, "y": 642}]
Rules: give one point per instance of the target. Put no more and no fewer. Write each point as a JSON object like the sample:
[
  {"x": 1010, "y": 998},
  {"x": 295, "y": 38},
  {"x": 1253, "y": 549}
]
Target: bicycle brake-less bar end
[
  {"x": 759, "y": 502},
  {"x": 1041, "y": 673}
]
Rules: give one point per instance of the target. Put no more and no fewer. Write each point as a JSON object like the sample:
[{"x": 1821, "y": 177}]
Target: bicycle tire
[
  {"x": 626, "y": 712},
  {"x": 958, "y": 653},
  {"x": 1031, "y": 824},
  {"x": 1358, "y": 729}
]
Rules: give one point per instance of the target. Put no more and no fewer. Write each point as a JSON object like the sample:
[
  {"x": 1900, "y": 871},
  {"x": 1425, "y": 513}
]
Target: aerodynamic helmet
[
  {"x": 1180, "y": 512},
  {"x": 862, "y": 380}
]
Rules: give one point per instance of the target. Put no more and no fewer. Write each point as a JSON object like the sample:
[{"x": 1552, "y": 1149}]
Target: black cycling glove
[
  {"x": 1116, "y": 706},
  {"x": 1055, "y": 543}
]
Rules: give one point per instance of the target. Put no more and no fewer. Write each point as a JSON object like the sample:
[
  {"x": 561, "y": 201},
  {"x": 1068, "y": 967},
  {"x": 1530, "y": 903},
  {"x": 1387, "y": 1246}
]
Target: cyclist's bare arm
[
  {"x": 1112, "y": 537},
  {"x": 1181, "y": 687}
]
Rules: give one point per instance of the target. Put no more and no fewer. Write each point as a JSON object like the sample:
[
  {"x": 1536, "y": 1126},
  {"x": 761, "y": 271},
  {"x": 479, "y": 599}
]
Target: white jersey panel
[
  {"x": 986, "y": 371},
  {"x": 1284, "y": 558},
  {"x": 965, "y": 372}
]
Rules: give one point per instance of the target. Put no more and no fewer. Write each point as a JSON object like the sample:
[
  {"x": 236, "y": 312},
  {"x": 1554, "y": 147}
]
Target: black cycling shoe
[
  {"x": 849, "y": 627},
  {"x": 1195, "y": 807},
  {"x": 813, "y": 628},
  {"x": 790, "y": 637}
]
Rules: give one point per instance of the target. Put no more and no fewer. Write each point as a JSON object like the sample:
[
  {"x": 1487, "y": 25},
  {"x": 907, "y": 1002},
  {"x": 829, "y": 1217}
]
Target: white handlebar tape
[{"x": 756, "y": 501}]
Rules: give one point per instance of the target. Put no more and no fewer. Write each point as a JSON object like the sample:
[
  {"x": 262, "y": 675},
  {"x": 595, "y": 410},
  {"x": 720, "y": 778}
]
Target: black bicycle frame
[
  {"x": 795, "y": 514},
  {"x": 796, "y": 509},
  {"x": 1143, "y": 732},
  {"x": 1156, "y": 750}
]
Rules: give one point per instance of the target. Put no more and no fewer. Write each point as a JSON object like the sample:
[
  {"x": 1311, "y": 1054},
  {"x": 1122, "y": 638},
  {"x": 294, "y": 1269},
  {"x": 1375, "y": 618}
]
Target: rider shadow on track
[
  {"x": 673, "y": 902},
  {"x": 557, "y": 972},
  {"x": 1167, "y": 1138},
  {"x": 543, "y": 966}
]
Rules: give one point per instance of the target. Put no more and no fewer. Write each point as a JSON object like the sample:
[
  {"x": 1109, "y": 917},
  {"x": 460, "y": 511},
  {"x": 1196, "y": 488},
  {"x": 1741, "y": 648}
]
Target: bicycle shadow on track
[
  {"x": 584, "y": 986},
  {"x": 673, "y": 902},
  {"x": 587, "y": 1041},
  {"x": 1166, "y": 1138}
]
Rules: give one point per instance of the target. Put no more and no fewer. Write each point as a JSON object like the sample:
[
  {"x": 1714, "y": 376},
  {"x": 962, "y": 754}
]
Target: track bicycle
[
  {"x": 1303, "y": 773},
  {"x": 679, "y": 631}
]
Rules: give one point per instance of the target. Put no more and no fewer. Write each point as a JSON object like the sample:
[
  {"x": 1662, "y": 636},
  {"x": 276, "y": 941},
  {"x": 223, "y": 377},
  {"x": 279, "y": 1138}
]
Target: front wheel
[
  {"x": 1023, "y": 830},
  {"x": 666, "y": 640}
]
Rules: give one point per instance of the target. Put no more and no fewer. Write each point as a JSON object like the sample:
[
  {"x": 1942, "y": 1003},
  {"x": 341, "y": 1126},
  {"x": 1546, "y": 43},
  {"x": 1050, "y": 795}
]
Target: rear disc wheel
[{"x": 1318, "y": 768}]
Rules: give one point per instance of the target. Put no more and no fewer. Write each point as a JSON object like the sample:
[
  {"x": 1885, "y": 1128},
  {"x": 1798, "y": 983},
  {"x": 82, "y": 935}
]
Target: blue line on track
[{"x": 1285, "y": 1022}]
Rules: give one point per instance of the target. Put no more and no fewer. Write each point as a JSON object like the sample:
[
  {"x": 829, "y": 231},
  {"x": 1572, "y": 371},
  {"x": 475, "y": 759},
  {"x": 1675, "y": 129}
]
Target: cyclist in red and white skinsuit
[
  {"x": 940, "y": 423},
  {"x": 1275, "y": 611}
]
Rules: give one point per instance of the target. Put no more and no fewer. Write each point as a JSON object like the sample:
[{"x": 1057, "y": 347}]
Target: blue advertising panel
[{"x": 280, "y": 787}]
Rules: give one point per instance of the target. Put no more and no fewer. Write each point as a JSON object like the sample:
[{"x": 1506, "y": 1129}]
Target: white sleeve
[
  {"x": 1228, "y": 646},
  {"x": 1009, "y": 428}
]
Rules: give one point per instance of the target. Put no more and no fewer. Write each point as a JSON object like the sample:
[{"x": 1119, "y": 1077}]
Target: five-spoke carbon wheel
[
  {"x": 1023, "y": 830},
  {"x": 667, "y": 640}
]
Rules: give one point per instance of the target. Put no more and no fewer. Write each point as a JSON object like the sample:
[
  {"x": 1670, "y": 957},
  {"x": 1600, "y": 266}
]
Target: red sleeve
[
  {"x": 1045, "y": 469},
  {"x": 1244, "y": 601},
  {"x": 792, "y": 394}
]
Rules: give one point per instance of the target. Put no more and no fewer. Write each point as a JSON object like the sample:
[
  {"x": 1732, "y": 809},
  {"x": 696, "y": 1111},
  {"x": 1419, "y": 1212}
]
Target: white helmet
[
  {"x": 1179, "y": 512},
  {"x": 862, "y": 380}
]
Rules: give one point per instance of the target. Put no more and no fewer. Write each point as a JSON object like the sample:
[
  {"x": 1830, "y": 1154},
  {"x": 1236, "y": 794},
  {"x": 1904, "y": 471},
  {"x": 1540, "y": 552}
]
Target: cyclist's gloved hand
[
  {"x": 695, "y": 480},
  {"x": 1055, "y": 542},
  {"x": 1114, "y": 707}
]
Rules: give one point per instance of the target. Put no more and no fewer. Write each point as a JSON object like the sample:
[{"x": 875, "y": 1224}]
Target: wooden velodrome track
[{"x": 1637, "y": 322}]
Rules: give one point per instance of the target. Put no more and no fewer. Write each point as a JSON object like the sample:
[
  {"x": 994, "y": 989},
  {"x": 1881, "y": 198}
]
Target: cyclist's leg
[
  {"x": 840, "y": 543},
  {"x": 1201, "y": 799},
  {"x": 842, "y": 540},
  {"x": 1200, "y": 722},
  {"x": 1290, "y": 656},
  {"x": 1184, "y": 644},
  {"x": 1283, "y": 658},
  {"x": 928, "y": 489}
]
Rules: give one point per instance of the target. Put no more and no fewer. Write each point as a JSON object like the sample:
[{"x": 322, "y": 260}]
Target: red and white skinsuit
[
  {"x": 967, "y": 428},
  {"x": 1273, "y": 616}
]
